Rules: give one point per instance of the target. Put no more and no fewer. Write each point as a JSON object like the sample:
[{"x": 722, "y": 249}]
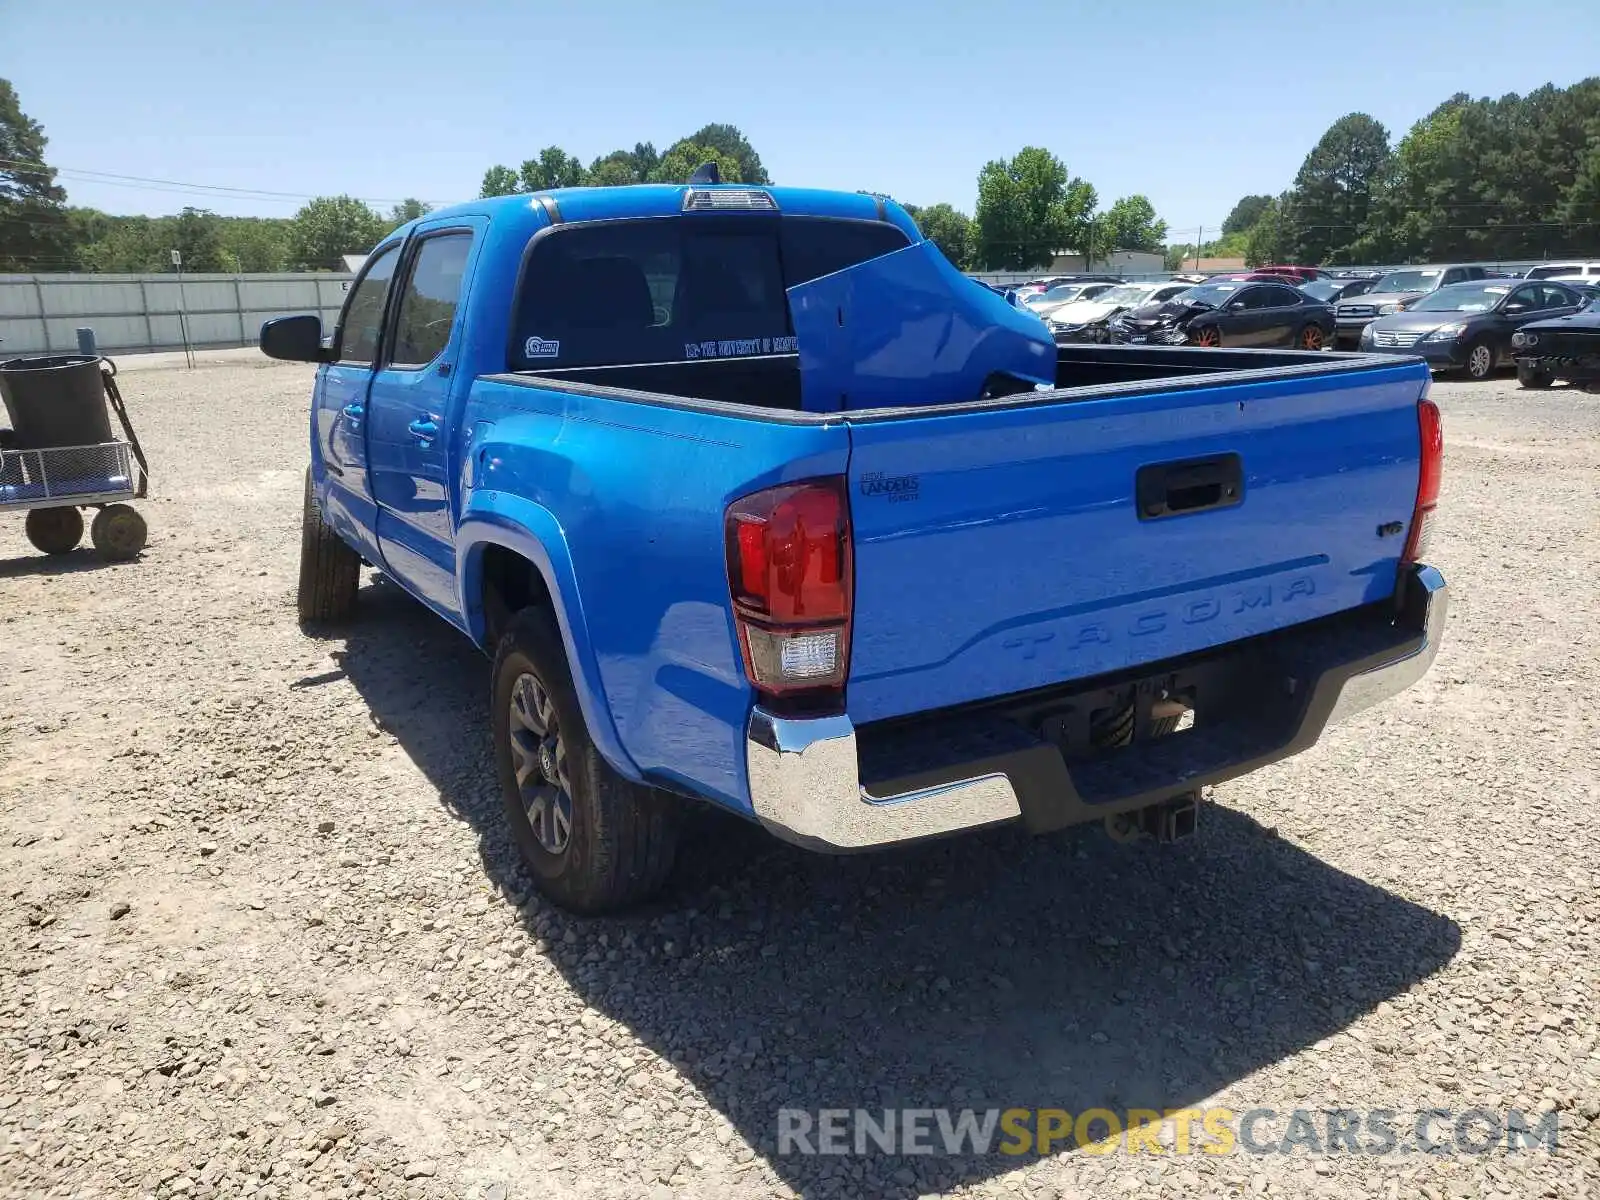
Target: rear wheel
[
  {"x": 54, "y": 530},
  {"x": 1210, "y": 337},
  {"x": 593, "y": 840},
  {"x": 330, "y": 571},
  {"x": 1530, "y": 375},
  {"x": 1311, "y": 338},
  {"x": 1480, "y": 360}
]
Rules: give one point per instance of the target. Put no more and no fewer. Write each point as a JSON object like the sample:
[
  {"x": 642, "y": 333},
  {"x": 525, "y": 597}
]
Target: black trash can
[{"x": 58, "y": 401}]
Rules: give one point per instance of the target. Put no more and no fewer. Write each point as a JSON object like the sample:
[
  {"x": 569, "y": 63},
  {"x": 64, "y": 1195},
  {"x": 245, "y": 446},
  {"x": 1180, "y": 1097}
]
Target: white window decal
[
  {"x": 537, "y": 347},
  {"x": 741, "y": 347}
]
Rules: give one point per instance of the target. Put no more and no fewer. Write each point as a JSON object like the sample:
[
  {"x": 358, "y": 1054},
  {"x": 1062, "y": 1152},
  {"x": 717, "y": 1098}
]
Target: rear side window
[
  {"x": 362, "y": 323},
  {"x": 676, "y": 289},
  {"x": 428, "y": 304},
  {"x": 814, "y": 247}
]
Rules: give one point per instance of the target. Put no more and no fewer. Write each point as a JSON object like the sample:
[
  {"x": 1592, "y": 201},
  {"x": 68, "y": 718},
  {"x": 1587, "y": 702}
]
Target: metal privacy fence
[{"x": 41, "y": 314}]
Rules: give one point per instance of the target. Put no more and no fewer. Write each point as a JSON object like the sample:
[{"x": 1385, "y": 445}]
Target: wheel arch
[{"x": 512, "y": 555}]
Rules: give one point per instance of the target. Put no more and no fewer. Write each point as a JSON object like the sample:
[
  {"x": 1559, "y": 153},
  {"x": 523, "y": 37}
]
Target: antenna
[{"x": 706, "y": 172}]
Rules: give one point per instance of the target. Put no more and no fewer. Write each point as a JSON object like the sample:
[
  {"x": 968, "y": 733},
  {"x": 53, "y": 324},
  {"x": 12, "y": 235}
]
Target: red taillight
[
  {"x": 1428, "y": 477},
  {"x": 789, "y": 570}
]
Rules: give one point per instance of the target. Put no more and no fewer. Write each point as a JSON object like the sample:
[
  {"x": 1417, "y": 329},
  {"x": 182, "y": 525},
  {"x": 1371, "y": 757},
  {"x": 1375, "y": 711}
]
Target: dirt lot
[{"x": 263, "y": 934}]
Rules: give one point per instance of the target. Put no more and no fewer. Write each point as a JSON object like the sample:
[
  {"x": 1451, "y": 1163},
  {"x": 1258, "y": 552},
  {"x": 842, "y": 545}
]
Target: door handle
[
  {"x": 355, "y": 411},
  {"x": 424, "y": 430}
]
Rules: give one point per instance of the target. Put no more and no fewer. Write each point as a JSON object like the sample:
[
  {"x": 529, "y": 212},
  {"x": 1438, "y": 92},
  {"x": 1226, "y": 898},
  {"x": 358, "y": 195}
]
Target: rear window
[{"x": 677, "y": 288}]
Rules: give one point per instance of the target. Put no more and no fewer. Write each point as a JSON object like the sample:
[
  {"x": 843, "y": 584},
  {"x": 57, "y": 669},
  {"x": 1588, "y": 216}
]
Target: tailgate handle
[{"x": 1191, "y": 486}]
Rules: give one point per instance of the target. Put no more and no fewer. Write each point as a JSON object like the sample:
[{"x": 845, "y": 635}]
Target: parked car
[
  {"x": 1565, "y": 347},
  {"x": 1065, "y": 293},
  {"x": 1295, "y": 275},
  {"x": 1231, "y": 314},
  {"x": 1331, "y": 291},
  {"x": 825, "y": 591},
  {"x": 1566, "y": 272},
  {"x": 1088, "y": 320},
  {"x": 1469, "y": 326},
  {"x": 1009, "y": 295},
  {"x": 1392, "y": 293}
]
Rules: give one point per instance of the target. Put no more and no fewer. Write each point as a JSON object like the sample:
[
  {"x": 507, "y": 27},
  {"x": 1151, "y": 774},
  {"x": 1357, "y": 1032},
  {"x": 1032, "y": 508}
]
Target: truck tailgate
[{"x": 1004, "y": 547}]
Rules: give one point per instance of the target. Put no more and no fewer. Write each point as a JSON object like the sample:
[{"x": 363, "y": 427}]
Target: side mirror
[
  {"x": 1516, "y": 306},
  {"x": 294, "y": 339},
  {"x": 1235, "y": 303}
]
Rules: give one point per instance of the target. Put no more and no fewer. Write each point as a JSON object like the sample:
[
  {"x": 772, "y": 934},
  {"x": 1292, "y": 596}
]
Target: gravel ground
[{"x": 263, "y": 933}]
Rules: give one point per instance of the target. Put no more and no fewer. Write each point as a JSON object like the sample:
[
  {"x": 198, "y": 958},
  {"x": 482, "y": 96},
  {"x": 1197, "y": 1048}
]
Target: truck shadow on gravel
[{"x": 990, "y": 971}]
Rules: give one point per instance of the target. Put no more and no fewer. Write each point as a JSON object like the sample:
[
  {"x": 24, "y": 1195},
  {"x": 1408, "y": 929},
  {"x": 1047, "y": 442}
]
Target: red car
[
  {"x": 1253, "y": 277},
  {"x": 1299, "y": 274}
]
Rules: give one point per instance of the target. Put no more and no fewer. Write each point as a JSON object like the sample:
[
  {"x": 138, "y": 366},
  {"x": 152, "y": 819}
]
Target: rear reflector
[
  {"x": 1429, "y": 474},
  {"x": 790, "y": 574}
]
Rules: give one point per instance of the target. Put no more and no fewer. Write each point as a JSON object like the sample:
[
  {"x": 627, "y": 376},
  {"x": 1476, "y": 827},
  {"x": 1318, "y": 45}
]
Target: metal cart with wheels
[{"x": 54, "y": 483}]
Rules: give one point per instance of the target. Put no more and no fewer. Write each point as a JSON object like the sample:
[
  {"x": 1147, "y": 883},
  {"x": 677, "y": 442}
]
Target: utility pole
[
  {"x": 183, "y": 310},
  {"x": 1199, "y": 239}
]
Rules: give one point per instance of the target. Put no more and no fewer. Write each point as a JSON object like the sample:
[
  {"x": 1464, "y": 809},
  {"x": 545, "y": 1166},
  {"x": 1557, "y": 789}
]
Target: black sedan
[
  {"x": 1560, "y": 348},
  {"x": 1331, "y": 291},
  {"x": 1231, "y": 314},
  {"x": 1468, "y": 326}
]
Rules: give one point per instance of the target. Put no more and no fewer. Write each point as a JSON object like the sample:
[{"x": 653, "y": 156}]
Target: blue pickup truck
[{"x": 757, "y": 502}]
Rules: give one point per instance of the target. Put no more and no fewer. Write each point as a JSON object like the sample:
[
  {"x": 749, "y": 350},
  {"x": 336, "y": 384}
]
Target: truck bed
[{"x": 999, "y": 545}]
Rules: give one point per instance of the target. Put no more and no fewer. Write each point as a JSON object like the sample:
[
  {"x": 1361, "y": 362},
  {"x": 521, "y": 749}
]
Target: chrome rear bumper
[{"x": 806, "y": 787}]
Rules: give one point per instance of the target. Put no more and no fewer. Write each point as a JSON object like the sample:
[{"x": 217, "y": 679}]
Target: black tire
[
  {"x": 54, "y": 530},
  {"x": 118, "y": 533},
  {"x": 1310, "y": 336},
  {"x": 330, "y": 571},
  {"x": 1531, "y": 376},
  {"x": 620, "y": 836},
  {"x": 1480, "y": 359}
]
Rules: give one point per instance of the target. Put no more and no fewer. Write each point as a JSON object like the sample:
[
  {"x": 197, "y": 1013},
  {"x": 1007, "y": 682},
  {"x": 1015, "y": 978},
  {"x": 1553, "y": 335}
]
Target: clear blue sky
[{"x": 396, "y": 98}]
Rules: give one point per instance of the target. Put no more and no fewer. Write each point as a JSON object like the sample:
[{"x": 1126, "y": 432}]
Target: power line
[{"x": 150, "y": 183}]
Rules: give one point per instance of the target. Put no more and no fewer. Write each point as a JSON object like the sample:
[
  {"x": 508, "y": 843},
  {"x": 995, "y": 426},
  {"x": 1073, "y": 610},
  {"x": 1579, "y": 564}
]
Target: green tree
[
  {"x": 645, "y": 158},
  {"x": 948, "y": 229},
  {"x": 196, "y": 233},
  {"x": 1490, "y": 179},
  {"x": 118, "y": 244},
  {"x": 33, "y": 218},
  {"x": 554, "y": 168},
  {"x": 1580, "y": 207},
  {"x": 1029, "y": 208},
  {"x": 1245, "y": 213},
  {"x": 614, "y": 170},
  {"x": 682, "y": 158},
  {"x": 1267, "y": 240},
  {"x": 408, "y": 209},
  {"x": 1332, "y": 193},
  {"x": 1131, "y": 224},
  {"x": 499, "y": 181},
  {"x": 255, "y": 244},
  {"x": 330, "y": 226},
  {"x": 726, "y": 140}
]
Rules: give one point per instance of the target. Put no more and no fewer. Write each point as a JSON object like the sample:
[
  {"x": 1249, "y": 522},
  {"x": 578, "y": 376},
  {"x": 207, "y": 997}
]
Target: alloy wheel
[{"x": 540, "y": 759}]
